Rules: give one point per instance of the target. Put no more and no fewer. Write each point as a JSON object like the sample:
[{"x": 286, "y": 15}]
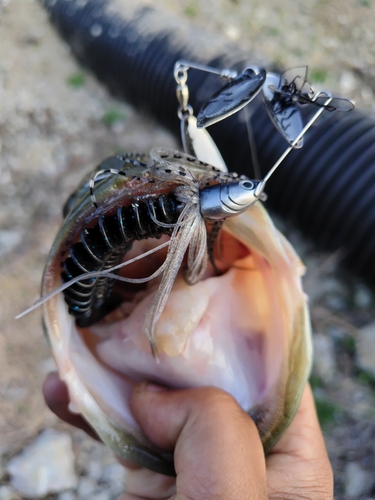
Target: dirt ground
[{"x": 56, "y": 122}]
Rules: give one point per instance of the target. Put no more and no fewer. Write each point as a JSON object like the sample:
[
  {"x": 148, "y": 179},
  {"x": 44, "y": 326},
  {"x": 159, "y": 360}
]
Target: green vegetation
[
  {"x": 77, "y": 80},
  {"x": 191, "y": 10},
  {"x": 272, "y": 31},
  {"x": 327, "y": 412},
  {"x": 113, "y": 116},
  {"x": 366, "y": 378},
  {"x": 348, "y": 345},
  {"x": 318, "y": 75},
  {"x": 316, "y": 382}
]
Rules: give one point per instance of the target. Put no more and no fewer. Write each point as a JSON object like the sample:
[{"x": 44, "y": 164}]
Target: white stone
[
  {"x": 363, "y": 297},
  {"x": 324, "y": 357},
  {"x": 7, "y": 493},
  {"x": 47, "y": 365},
  {"x": 94, "y": 469},
  {"x": 114, "y": 476},
  {"x": 86, "y": 488},
  {"x": 9, "y": 239},
  {"x": 348, "y": 82},
  {"x": 357, "y": 481},
  {"x": 366, "y": 348},
  {"x": 101, "y": 495},
  {"x": 45, "y": 466},
  {"x": 67, "y": 495}
]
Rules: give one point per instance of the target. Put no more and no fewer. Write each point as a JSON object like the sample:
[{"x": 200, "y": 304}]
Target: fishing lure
[
  {"x": 172, "y": 194},
  {"x": 281, "y": 94},
  {"x": 166, "y": 193}
]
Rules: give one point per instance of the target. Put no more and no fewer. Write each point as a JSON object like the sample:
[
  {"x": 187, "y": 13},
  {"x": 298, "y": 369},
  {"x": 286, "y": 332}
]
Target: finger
[
  {"x": 218, "y": 453},
  {"x": 150, "y": 485},
  {"x": 56, "y": 396},
  {"x": 299, "y": 466}
]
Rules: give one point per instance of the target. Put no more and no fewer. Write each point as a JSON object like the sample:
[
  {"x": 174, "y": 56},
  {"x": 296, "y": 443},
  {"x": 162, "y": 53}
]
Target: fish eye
[{"x": 247, "y": 184}]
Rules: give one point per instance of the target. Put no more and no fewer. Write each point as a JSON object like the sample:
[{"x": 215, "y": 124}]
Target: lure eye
[{"x": 248, "y": 185}]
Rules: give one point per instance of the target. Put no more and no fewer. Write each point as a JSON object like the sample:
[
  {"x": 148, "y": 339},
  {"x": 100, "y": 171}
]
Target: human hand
[{"x": 218, "y": 453}]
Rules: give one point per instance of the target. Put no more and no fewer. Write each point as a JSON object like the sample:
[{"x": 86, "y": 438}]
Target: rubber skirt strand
[{"x": 327, "y": 188}]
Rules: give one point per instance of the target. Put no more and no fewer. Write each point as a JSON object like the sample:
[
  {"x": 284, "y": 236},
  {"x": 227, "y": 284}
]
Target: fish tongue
[{"x": 181, "y": 316}]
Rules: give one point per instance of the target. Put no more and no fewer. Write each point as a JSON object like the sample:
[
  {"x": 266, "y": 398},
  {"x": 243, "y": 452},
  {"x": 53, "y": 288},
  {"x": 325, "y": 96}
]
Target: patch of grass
[
  {"x": 318, "y": 75},
  {"x": 120, "y": 150},
  {"x": 298, "y": 52},
  {"x": 278, "y": 61},
  {"x": 113, "y": 116},
  {"x": 191, "y": 10},
  {"x": 77, "y": 80},
  {"x": 327, "y": 412},
  {"x": 22, "y": 409},
  {"x": 365, "y": 3},
  {"x": 272, "y": 31},
  {"x": 366, "y": 378},
  {"x": 316, "y": 382},
  {"x": 348, "y": 345}
]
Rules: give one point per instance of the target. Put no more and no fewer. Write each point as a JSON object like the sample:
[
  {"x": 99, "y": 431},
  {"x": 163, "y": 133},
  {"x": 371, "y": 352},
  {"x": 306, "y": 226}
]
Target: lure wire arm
[
  {"x": 183, "y": 66},
  {"x": 312, "y": 120}
]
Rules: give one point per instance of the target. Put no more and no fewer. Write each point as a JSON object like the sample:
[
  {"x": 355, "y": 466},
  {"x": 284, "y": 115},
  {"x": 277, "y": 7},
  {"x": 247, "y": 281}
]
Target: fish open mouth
[
  {"x": 243, "y": 331},
  {"x": 210, "y": 333}
]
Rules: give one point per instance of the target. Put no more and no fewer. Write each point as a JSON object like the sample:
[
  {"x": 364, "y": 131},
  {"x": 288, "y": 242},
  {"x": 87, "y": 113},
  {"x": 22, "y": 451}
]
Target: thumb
[{"x": 218, "y": 452}]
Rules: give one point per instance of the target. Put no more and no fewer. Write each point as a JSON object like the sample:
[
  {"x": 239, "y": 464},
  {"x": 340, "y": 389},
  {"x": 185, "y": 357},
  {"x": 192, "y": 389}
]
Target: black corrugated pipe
[{"x": 327, "y": 188}]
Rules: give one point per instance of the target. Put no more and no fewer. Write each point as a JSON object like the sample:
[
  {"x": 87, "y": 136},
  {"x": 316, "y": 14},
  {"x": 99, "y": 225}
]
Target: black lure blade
[
  {"x": 282, "y": 111},
  {"x": 335, "y": 104},
  {"x": 294, "y": 86},
  {"x": 232, "y": 97},
  {"x": 294, "y": 81}
]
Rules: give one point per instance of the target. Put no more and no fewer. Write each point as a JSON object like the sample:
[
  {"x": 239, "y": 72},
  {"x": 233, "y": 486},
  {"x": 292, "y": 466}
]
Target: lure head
[
  {"x": 245, "y": 331},
  {"x": 229, "y": 199}
]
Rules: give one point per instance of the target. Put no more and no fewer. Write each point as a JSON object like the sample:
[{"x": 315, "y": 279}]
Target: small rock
[
  {"x": 363, "y": 297},
  {"x": 7, "y": 493},
  {"x": 94, "y": 469},
  {"x": 86, "y": 488},
  {"x": 9, "y": 239},
  {"x": 45, "y": 466},
  {"x": 67, "y": 495},
  {"x": 114, "y": 475},
  {"x": 357, "y": 481},
  {"x": 101, "y": 495},
  {"x": 366, "y": 348},
  {"x": 47, "y": 365},
  {"x": 232, "y": 32},
  {"x": 324, "y": 357},
  {"x": 348, "y": 82}
]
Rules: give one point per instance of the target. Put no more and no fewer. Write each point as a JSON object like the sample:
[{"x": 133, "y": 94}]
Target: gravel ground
[{"x": 56, "y": 122}]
